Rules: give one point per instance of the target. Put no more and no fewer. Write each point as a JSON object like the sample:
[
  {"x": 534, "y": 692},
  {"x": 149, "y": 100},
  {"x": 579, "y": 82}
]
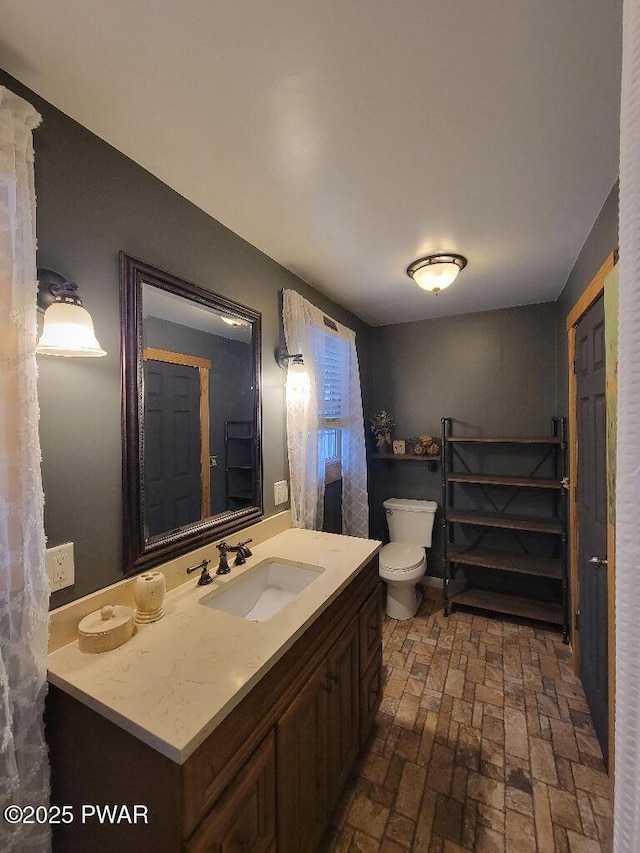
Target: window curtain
[
  {"x": 24, "y": 588},
  {"x": 627, "y": 734},
  {"x": 305, "y": 331}
]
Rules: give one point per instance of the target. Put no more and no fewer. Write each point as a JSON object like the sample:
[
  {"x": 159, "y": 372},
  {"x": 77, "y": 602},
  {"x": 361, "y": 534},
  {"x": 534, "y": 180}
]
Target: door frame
[
  {"x": 593, "y": 291},
  {"x": 203, "y": 366}
]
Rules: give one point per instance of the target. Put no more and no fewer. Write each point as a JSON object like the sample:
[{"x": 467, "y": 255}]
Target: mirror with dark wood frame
[{"x": 192, "y": 470}]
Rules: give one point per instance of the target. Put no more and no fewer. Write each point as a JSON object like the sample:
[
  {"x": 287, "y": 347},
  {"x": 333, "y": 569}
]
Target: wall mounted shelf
[{"x": 409, "y": 457}]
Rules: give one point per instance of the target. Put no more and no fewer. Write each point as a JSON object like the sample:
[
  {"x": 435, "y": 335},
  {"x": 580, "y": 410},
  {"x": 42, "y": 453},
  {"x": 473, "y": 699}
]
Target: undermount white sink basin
[{"x": 263, "y": 591}]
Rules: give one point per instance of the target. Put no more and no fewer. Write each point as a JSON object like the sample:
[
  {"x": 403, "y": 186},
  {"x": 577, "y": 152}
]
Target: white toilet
[{"x": 403, "y": 561}]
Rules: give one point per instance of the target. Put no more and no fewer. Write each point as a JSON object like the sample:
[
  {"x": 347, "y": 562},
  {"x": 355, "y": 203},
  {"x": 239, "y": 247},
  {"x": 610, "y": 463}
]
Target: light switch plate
[
  {"x": 60, "y": 566},
  {"x": 281, "y": 492}
]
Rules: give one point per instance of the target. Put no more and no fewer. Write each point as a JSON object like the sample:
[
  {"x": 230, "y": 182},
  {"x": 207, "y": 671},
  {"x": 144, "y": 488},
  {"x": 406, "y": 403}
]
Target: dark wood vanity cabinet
[
  {"x": 343, "y": 723},
  {"x": 302, "y": 744},
  {"x": 318, "y": 740},
  {"x": 267, "y": 777},
  {"x": 244, "y": 817}
]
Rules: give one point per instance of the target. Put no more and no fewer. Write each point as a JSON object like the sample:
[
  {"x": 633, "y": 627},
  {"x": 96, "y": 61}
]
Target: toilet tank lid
[{"x": 409, "y": 505}]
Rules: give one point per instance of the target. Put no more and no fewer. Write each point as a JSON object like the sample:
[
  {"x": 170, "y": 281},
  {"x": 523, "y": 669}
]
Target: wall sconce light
[
  {"x": 282, "y": 357},
  {"x": 437, "y": 271},
  {"x": 68, "y": 327},
  {"x": 298, "y": 384}
]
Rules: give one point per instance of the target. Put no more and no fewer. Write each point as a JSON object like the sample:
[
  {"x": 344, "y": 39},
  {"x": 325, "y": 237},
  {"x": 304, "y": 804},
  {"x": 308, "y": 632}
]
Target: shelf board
[
  {"x": 525, "y": 564},
  {"x": 405, "y": 457},
  {"x": 504, "y": 480},
  {"x": 514, "y": 605},
  {"x": 480, "y": 518},
  {"x": 479, "y": 439}
]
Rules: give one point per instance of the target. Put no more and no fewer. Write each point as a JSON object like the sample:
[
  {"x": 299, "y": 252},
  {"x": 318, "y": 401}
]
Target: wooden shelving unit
[
  {"x": 505, "y": 480},
  {"x": 480, "y": 518},
  {"x": 529, "y": 575}
]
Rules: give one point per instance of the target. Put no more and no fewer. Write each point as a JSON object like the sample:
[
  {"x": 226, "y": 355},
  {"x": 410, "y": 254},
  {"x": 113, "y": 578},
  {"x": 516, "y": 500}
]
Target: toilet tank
[{"x": 410, "y": 521}]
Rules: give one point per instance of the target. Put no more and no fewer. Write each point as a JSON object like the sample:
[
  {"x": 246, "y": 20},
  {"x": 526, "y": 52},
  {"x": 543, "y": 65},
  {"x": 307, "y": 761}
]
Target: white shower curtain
[
  {"x": 24, "y": 588},
  {"x": 305, "y": 332},
  {"x": 627, "y": 770}
]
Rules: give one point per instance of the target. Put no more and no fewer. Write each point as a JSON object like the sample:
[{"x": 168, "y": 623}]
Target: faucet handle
[
  {"x": 205, "y": 578},
  {"x": 247, "y": 552}
]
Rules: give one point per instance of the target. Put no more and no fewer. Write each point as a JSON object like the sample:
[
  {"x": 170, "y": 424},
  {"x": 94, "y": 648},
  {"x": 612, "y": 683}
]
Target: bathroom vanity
[{"x": 235, "y": 735}]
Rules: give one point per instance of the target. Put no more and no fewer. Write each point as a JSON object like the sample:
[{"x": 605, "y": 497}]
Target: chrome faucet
[{"x": 241, "y": 551}]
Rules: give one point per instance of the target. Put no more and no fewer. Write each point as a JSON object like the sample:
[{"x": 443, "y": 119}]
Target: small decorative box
[{"x": 399, "y": 446}]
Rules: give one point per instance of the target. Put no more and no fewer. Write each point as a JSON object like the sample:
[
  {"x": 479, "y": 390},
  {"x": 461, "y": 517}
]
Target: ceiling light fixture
[
  {"x": 68, "y": 327},
  {"x": 232, "y": 321},
  {"x": 437, "y": 271}
]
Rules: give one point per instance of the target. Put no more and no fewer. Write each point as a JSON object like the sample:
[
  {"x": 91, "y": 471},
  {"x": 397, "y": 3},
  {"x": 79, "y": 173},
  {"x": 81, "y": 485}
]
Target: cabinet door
[
  {"x": 370, "y": 696},
  {"x": 301, "y": 741},
  {"x": 370, "y": 618},
  {"x": 244, "y": 818},
  {"x": 344, "y": 711}
]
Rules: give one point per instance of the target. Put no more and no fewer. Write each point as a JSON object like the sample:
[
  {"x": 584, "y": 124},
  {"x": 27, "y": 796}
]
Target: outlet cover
[
  {"x": 60, "y": 566},
  {"x": 281, "y": 492}
]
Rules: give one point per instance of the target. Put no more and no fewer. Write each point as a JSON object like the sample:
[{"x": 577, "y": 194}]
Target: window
[{"x": 335, "y": 400}]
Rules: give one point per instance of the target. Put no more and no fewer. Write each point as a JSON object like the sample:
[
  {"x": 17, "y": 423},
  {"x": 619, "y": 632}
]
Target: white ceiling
[{"x": 345, "y": 138}]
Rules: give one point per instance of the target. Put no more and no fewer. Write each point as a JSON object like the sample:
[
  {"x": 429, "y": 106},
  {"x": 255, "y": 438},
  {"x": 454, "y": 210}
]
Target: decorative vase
[{"x": 383, "y": 442}]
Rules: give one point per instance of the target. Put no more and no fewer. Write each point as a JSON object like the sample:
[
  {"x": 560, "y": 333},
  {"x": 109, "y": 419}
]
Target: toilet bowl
[{"x": 403, "y": 561}]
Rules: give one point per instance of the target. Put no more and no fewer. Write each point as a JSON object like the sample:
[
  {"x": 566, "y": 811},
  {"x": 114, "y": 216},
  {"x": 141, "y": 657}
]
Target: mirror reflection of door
[{"x": 176, "y": 440}]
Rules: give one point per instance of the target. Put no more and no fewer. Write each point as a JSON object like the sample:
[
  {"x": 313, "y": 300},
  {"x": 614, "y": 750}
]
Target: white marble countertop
[{"x": 175, "y": 680}]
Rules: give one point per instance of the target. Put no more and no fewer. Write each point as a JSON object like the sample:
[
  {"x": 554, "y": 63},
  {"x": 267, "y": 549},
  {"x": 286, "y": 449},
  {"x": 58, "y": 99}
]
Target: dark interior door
[
  {"x": 592, "y": 515},
  {"x": 172, "y": 459}
]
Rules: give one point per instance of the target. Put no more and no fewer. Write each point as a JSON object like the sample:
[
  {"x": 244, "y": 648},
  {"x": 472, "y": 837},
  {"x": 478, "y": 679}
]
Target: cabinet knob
[{"x": 598, "y": 561}]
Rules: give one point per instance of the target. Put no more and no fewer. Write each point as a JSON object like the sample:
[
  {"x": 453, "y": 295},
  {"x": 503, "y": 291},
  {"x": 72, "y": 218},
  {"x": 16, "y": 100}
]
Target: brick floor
[{"x": 483, "y": 742}]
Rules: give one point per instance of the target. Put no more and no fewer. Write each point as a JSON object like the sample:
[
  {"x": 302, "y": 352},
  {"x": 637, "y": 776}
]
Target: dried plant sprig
[{"x": 381, "y": 423}]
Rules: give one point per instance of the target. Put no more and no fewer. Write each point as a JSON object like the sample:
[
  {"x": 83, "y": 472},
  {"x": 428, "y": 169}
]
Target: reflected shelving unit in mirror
[
  {"x": 190, "y": 370},
  {"x": 239, "y": 465}
]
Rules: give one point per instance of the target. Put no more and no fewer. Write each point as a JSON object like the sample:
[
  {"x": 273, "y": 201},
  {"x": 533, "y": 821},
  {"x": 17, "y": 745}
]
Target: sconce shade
[
  {"x": 298, "y": 384},
  {"x": 435, "y": 272},
  {"x": 68, "y": 331}
]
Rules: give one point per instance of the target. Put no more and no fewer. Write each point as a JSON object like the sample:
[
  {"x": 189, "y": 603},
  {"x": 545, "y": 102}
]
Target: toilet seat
[{"x": 399, "y": 558}]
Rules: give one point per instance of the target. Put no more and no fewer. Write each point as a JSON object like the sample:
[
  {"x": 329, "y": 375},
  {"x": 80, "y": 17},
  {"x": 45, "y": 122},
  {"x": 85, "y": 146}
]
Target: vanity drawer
[{"x": 370, "y": 622}]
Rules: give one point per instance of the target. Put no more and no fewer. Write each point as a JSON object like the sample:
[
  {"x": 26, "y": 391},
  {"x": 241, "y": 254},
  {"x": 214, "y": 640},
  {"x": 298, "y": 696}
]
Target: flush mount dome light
[
  {"x": 232, "y": 321},
  {"x": 435, "y": 272}
]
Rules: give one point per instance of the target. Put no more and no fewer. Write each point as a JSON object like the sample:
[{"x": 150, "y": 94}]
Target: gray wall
[
  {"x": 602, "y": 240},
  {"x": 493, "y": 372},
  {"x": 93, "y": 202}
]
